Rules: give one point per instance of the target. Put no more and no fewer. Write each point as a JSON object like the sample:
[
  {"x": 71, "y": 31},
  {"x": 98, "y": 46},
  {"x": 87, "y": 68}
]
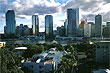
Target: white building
[
  {"x": 92, "y": 29},
  {"x": 44, "y": 62}
]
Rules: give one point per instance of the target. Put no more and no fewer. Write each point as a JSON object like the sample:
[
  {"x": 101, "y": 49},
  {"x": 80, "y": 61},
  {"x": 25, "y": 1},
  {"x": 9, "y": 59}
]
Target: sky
[{"x": 24, "y": 9}]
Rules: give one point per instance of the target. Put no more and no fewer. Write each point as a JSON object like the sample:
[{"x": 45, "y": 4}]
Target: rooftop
[
  {"x": 102, "y": 71},
  {"x": 21, "y": 48},
  {"x": 48, "y": 57},
  {"x": 49, "y": 61}
]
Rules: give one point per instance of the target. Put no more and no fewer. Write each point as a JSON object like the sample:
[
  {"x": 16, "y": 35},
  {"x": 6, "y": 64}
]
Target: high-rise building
[
  {"x": 48, "y": 27},
  {"x": 81, "y": 28},
  {"x": 108, "y": 24},
  {"x": 26, "y": 30},
  {"x": 19, "y": 30},
  {"x": 35, "y": 25},
  {"x": 98, "y": 25},
  {"x": 61, "y": 31},
  {"x": 87, "y": 30},
  {"x": 73, "y": 21},
  {"x": 10, "y": 23},
  {"x": 92, "y": 29},
  {"x": 66, "y": 25},
  {"x": 58, "y": 31},
  {"x": 106, "y": 30}
]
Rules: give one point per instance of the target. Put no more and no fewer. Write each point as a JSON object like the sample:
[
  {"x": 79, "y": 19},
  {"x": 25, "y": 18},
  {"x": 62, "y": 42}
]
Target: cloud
[
  {"x": 106, "y": 17},
  {"x": 88, "y": 7},
  {"x": 30, "y": 7},
  {"x": 41, "y": 10},
  {"x": 26, "y": 8}
]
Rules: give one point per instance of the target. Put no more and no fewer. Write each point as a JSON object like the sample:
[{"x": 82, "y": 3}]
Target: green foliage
[
  {"x": 9, "y": 61},
  {"x": 32, "y": 49},
  {"x": 68, "y": 60},
  {"x": 25, "y": 69}
]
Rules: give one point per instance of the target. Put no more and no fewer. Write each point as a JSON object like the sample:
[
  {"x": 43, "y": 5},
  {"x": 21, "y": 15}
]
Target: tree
[
  {"x": 9, "y": 61},
  {"x": 32, "y": 49},
  {"x": 68, "y": 60}
]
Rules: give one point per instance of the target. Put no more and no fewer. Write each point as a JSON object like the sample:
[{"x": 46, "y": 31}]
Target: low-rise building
[{"x": 44, "y": 62}]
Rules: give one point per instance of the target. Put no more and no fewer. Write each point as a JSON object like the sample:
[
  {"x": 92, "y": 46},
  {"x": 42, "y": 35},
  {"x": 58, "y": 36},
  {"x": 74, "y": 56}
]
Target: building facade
[
  {"x": 26, "y": 30},
  {"x": 61, "y": 31},
  {"x": 87, "y": 30},
  {"x": 82, "y": 24},
  {"x": 92, "y": 29},
  {"x": 73, "y": 21},
  {"x": 19, "y": 30},
  {"x": 106, "y": 29},
  {"x": 48, "y": 27},
  {"x": 102, "y": 51},
  {"x": 35, "y": 25},
  {"x": 10, "y": 23},
  {"x": 98, "y": 25},
  {"x": 66, "y": 25}
]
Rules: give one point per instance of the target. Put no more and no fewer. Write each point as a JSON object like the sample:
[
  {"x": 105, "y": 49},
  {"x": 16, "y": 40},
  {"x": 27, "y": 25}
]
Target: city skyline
[{"x": 56, "y": 8}]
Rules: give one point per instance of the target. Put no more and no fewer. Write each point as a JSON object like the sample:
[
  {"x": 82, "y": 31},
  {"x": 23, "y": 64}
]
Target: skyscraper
[
  {"x": 35, "y": 25},
  {"x": 92, "y": 28},
  {"x": 98, "y": 25},
  {"x": 10, "y": 23},
  {"x": 73, "y": 21},
  {"x": 49, "y": 27},
  {"x": 106, "y": 30},
  {"x": 87, "y": 30},
  {"x": 65, "y": 25}
]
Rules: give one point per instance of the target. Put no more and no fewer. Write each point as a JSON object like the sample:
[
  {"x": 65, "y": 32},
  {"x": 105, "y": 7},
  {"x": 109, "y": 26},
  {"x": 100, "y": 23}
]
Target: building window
[
  {"x": 41, "y": 72},
  {"x": 40, "y": 66},
  {"x": 31, "y": 66},
  {"x": 98, "y": 46}
]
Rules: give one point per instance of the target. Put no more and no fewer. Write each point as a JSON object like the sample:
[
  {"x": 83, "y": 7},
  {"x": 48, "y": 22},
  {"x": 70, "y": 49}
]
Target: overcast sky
[{"x": 24, "y": 9}]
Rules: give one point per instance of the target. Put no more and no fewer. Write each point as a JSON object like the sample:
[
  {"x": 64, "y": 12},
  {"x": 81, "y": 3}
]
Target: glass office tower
[
  {"x": 98, "y": 25},
  {"x": 35, "y": 25},
  {"x": 48, "y": 27},
  {"x": 10, "y": 23},
  {"x": 73, "y": 21}
]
